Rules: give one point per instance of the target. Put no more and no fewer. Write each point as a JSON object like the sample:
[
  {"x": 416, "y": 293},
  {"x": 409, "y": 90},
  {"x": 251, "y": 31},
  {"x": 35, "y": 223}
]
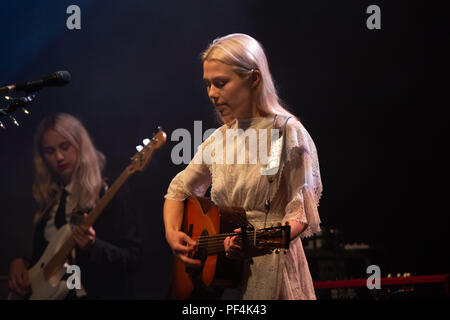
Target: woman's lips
[
  {"x": 222, "y": 108},
  {"x": 62, "y": 166}
]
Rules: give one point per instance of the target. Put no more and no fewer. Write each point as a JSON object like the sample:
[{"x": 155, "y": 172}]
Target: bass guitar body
[{"x": 52, "y": 288}]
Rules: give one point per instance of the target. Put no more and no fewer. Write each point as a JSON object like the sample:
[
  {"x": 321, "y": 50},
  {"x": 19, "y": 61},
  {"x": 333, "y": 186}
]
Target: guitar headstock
[
  {"x": 144, "y": 153},
  {"x": 274, "y": 237}
]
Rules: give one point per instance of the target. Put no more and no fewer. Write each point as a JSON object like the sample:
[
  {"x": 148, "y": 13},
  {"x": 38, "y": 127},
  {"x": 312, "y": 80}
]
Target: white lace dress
[{"x": 294, "y": 195}]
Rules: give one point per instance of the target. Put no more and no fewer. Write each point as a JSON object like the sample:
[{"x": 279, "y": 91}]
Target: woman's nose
[
  {"x": 213, "y": 93},
  {"x": 59, "y": 156}
]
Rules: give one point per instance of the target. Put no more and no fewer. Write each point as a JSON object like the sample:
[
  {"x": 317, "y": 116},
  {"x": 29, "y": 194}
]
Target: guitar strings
[
  {"x": 217, "y": 246},
  {"x": 210, "y": 242},
  {"x": 215, "y": 242},
  {"x": 217, "y": 235},
  {"x": 218, "y": 243},
  {"x": 224, "y": 235}
]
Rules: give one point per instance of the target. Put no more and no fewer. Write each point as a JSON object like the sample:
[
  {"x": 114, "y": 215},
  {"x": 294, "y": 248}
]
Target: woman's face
[
  {"x": 59, "y": 154},
  {"x": 229, "y": 93}
]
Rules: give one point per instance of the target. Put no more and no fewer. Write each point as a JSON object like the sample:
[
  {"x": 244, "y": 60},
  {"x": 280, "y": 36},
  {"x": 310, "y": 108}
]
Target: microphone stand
[{"x": 13, "y": 105}]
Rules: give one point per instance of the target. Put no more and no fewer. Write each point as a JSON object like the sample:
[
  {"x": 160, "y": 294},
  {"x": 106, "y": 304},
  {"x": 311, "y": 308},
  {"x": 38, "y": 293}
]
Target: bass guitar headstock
[{"x": 144, "y": 153}]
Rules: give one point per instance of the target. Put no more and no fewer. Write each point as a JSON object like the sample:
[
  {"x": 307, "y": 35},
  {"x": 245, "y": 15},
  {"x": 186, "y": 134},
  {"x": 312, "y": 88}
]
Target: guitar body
[
  {"x": 205, "y": 221},
  {"x": 53, "y": 288},
  {"x": 209, "y": 225},
  {"x": 200, "y": 219}
]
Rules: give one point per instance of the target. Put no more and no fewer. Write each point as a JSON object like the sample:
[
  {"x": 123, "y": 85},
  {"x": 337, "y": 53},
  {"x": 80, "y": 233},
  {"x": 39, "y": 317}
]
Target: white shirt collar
[{"x": 69, "y": 187}]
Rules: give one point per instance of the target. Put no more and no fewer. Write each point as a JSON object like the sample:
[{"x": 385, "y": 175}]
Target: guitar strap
[{"x": 272, "y": 171}]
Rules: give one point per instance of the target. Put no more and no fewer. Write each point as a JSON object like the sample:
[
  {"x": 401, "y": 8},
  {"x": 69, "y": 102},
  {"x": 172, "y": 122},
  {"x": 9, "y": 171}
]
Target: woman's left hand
[
  {"x": 84, "y": 236},
  {"x": 235, "y": 251},
  {"x": 232, "y": 250}
]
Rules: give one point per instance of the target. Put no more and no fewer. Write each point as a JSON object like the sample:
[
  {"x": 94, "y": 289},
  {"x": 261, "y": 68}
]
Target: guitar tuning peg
[
  {"x": 26, "y": 111},
  {"x": 2, "y": 125},
  {"x": 139, "y": 148},
  {"x": 146, "y": 141}
]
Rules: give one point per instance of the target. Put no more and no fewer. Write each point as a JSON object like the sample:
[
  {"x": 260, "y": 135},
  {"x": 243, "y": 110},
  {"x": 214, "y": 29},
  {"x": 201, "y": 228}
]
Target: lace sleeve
[
  {"x": 194, "y": 180},
  {"x": 302, "y": 176}
]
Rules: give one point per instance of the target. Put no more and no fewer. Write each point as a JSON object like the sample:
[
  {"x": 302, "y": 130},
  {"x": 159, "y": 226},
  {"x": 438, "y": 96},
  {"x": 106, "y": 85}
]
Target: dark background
[{"x": 372, "y": 100}]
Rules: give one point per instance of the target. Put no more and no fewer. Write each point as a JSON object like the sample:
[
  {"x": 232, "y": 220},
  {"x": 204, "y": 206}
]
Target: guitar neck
[
  {"x": 106, "y": 199},
  {"x": 214, "y": 244}
]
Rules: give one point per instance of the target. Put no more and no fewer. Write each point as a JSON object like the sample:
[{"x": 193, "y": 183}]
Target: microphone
[{"x": 56, "y": 79}]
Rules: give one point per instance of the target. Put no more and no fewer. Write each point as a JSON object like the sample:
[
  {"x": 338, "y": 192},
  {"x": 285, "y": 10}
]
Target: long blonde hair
[
  {"x": 245, "y": 54},
  {"x": 87, "y": 178}
]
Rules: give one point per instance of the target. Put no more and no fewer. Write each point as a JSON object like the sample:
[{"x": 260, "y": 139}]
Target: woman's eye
[
  {"x": 48, "y": 150},
  {"x": 216, "y": 84},
  {"x": 65, "y": 146}
]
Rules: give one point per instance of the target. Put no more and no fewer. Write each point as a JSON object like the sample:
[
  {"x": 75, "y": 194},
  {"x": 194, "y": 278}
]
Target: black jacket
[{"x": 106, "y": 269}]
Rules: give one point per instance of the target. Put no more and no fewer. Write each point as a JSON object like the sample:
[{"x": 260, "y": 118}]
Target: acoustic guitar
[
  {"x": 209, "y": 225},
  {"x": 45, "y": 276}
]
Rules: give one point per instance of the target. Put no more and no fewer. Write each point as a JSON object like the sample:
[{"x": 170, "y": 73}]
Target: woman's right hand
[
  {"x": 19, "y": 282},
  {"x": 181, "y": 245}
]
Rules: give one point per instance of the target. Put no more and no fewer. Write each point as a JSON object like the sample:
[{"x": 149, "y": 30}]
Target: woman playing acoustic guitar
[{"x": 240, "y": 86}]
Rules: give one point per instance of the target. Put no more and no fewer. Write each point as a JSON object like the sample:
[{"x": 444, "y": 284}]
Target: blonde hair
[
  {"x": 245, "y": 54},
  {"x": 87, "y": 178}
]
